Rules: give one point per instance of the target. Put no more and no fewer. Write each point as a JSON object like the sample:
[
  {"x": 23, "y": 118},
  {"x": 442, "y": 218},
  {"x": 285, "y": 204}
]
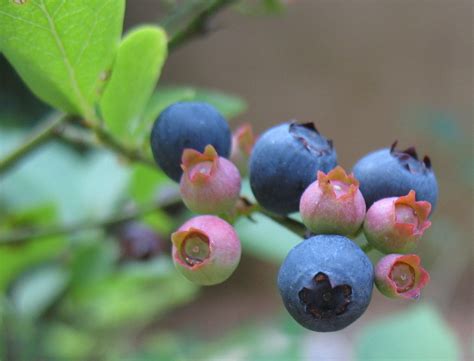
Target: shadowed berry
[
  {"x": 243, "y": 141},
  {"x": 326, "y": 282},
  {"x": 395, "y": 225},
  {"x": 187, "y": 125},
  {"x": 210, "y": 184},
  {"x": 206, "y": 250},
  {"x": 284, "y": 162},
  {"x": 393, "y": 173},
  {"x": 333, "y": 204},
  {"x": 138, "y": 241},
  {"x": 400, "y": 276}
]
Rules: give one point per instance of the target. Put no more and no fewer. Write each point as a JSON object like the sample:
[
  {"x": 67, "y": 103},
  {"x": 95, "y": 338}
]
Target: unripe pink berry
[
  {"x": 206, "y": 250},
  {"x": 396, "y": 224},
  {"x": 333, "y": 204},
  {"x": 400, "y": 276},
  {"x": 243, "y": 141},
  {"x": 209, "y": 184}
]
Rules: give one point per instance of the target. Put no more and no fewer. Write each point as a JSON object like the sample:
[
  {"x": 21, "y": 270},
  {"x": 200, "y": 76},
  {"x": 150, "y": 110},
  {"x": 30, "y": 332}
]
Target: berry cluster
[{"x": 325, "y": 281}]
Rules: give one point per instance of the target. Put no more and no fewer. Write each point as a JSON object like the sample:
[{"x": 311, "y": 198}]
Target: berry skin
[
  {"x": 392, "y": 173},
  {"x": 187, "y": 125},
  {"x": 326, "y": 282},
  {"x": 206, "y": 250},
  {"x": 284, "y": 163},
  {"x": 243, "y": 141},
  {"x": 395, "y": 225},
  {"x": 209, "y": 184},
  {"x": 333, "y": 204},
  {"x": 401, "y": 276}
]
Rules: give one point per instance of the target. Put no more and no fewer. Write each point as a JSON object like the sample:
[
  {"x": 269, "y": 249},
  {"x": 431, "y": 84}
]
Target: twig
[
  {"x": 290, "y": 224},
  {"x": 98, "y": 136},
  {"x": 38, "y": 137},
  {"x": 19, "y": 236},
  {"x": 199, "y": 23},
  {"x": 367, "y": 247}
]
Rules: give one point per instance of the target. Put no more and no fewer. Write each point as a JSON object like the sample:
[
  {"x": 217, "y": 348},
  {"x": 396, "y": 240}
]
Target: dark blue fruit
[
  {"x": 393, "y": 173},
  {"x": 326, "y": 282},
  {"x": 284, "y": 161},
  {"x": 187, "y": 125},
  {"x": 139, "y": 242}
]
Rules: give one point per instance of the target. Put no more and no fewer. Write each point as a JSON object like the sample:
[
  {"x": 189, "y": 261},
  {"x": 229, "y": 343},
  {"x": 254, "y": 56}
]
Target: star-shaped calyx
[{"x": 321, "y": 300}]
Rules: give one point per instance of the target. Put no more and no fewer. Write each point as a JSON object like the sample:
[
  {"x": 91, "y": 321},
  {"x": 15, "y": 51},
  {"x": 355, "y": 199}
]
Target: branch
[
  {"x": 26, "y": 235},
  {"x": 287, "y": 222},
  {"x": 105, "y": 139},
  {"x": 42, "y": 134},
  {"x": 199, "y": 23},
  {"x": 367, "y": 247}
]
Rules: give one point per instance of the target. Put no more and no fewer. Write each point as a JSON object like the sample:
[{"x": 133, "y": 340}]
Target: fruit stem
[
  {"x": 287, "y": 222},
  {"x": 29, "y": 234},
  {"x": 367, "y": 247}
]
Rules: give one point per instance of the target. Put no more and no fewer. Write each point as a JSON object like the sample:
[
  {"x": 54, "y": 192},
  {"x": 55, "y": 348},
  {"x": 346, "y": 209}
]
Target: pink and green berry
[
  {"x": 401, "y": 276},
  {"x": 209, "y": 184},
  {"x": 206, "y": 250},
  {"x": 333, "y": 204},
  {"x": 396, "y": 224},
  {"x": 243, "y": 140}
]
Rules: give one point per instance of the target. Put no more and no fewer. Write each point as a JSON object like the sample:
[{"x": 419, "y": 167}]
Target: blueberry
[
  {"x": 326, "y": 282},
  {"x": 393, "y": 173},
  {"x": 284, "y": 161},
  {"x": 139, "y": 242},
  {"x": 187, "y": 125}
]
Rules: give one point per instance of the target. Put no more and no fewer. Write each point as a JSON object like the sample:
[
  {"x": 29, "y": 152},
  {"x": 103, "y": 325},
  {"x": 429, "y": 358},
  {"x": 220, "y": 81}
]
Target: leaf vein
[
  {"x": 23, "y": 20},
  {"x": 70, "y": 69}
]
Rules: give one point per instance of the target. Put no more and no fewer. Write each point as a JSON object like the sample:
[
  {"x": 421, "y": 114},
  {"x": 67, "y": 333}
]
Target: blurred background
[{"x": 368, "y": 73}]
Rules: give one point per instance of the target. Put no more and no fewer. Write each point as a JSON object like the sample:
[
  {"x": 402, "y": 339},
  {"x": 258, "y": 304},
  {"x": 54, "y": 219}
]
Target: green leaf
[
  {"x": 35, "y": 292},
  {"x": 137, "y": 68},
  {"x": 229, "y": 105},
  {"x": 417, "y": 334},
  {"x": 62, "y": 49},
  {"x": 99, "y": 182},
  {"x": 145, "y": 182},
  {"x": 63, "y": 342},
  {"x": 132, "y": 296},
  {"x": 17, "y": 259}
]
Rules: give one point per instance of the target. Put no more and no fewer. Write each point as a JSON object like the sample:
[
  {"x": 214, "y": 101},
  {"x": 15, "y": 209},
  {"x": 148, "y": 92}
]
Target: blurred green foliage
[{"x": 67, "y": 291}]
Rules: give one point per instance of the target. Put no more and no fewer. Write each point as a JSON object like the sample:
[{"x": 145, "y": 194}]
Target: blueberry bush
[{"x": 127, "y": 197}]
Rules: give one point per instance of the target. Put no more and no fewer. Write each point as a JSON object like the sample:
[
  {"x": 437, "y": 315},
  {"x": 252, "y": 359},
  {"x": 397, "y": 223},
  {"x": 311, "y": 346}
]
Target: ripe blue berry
[
  {"x": 326, "y": 282},
  {"x": 392, "y": 173},
  {"x": 284, "y": 162},
  {"x": 187, "y": 125}
]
